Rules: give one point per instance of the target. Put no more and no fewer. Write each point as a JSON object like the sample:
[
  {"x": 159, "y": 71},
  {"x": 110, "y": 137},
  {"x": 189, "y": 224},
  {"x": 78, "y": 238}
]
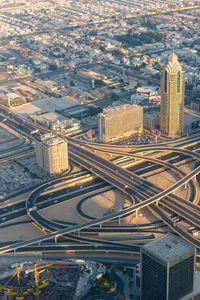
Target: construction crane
[
  {"x": 18, "y": 277},
  {"x": 18, "y": 268},
  {"x": 37, "y": 292},
  {"x": 37, "y": 275},
  {"x": 35, "y": 270}
]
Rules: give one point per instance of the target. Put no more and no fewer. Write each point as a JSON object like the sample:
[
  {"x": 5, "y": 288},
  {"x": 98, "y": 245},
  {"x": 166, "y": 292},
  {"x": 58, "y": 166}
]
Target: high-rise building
[
  {"x": 167, "y": 268},
  {"x": 120, "y": 121},
  {"x": 51, "y": 153},
  {"x": 172, "y": 98}
]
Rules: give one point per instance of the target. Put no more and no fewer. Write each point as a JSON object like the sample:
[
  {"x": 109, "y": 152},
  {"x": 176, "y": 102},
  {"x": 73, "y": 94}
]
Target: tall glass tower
[
  {"x": 172, "y": 98},
  {"x": 167, "y": 268}
]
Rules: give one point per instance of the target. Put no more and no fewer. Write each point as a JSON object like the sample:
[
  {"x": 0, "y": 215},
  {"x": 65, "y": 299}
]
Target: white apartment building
[{"x": 51, "y": 153}]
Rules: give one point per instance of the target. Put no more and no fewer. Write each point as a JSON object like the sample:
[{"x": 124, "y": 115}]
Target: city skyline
[{"x": 99, "y": 149}]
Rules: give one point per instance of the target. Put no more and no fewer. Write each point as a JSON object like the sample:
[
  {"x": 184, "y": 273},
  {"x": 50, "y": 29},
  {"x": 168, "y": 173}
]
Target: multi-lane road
[
  {"x": 120, "y": 180},
  {"x": 141, "y": 192}
]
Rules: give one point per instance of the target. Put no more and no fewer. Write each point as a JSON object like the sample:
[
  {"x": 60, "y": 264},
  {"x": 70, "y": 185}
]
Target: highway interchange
[{"x": 140, "y": 192}]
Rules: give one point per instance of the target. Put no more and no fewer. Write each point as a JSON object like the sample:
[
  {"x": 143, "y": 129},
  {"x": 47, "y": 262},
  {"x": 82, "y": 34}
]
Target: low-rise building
[
  {"x": 195, "y": 104},
  {"x": 151, "y": 120},
  {"x": 56, "y": 121}
]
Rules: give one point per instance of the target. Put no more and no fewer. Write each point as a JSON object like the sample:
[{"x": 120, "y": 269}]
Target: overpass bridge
[
  {"x": 118, "y": 177},
  {"x": 115, "y": 177}
]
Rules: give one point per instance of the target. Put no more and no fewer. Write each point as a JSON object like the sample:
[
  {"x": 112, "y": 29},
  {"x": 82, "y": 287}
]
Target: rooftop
[
  {"x": 152, "y": 113},
  {"x": 49, "y": 117},
  {"x": 169, "y": 247},
  {"x": 116, "y": 109},
  {"x": 50, "y": 139},
  {"x": 54, "y": 141},
  {"x": 146, "y": 89}
]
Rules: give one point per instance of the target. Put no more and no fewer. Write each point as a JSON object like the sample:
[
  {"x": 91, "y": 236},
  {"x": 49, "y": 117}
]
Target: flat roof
[
  {"x": 50, "y": 139},
  {"x": 54, "y": 141},
  {"x": 50, "y": 117},
  {"x": 75, "y": 109},
  {"x": 13, "y": 95},
  {"x": 168, "y": 248},
  {"x": 125, "y": 107},
  {"x": 152, "y": 113},
  {"x": 146, "y": 89}
]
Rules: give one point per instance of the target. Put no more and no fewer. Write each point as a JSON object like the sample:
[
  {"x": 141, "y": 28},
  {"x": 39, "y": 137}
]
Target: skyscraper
[
  {"x": 167, "y": 268},
  {"x": 172, "y": 98}
]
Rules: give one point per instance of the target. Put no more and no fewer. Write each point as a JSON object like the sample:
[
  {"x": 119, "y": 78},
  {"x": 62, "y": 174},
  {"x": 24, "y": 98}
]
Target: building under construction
[
  {"x": 50, "y": 281},
  {"x": 120, "y": 121}
]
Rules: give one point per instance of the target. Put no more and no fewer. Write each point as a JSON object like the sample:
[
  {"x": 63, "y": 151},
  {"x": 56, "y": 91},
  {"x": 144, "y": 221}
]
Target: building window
[
  {"x": 178, "y": 81},
  {"x": 165, "y": 82}
]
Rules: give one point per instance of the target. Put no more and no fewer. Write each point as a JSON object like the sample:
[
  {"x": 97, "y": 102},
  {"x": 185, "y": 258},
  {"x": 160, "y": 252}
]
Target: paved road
[{"x": 117, "y": 180}]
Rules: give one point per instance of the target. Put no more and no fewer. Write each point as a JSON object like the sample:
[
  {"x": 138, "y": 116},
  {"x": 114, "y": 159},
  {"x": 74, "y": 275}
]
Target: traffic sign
[{"x": 90, "y": 132}]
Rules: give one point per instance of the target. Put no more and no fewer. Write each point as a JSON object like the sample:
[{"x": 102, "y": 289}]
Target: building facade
[
  {"x": 172, "y": 98},
  {"x": 167, "y": 268},
  {"x": 120, "y": 121},
  {"x": 51, "y": 153},
  {"x": 151, "y": 120},
  {"x": 195, "y": 104}
]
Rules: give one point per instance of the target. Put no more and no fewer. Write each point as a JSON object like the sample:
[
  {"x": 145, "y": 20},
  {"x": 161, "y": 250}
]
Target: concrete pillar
[
  {"x": 136, "y": 213},
  {"x": 78, "y": 232},
  {"x": 119, "y": 221},
  {"x": 14, "y": 251},
  {"x": 185, "y": 185},
  {"x": 100, "y": 225},
  {"x": 55, "y": 239},
  {"x": 195, "y": 178},
  {"x": 157, "y": 202},
  {"x": 174, "y": 191}
]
